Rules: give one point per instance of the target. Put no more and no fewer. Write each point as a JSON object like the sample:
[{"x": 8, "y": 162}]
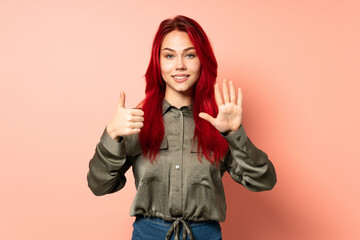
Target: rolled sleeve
[
  {"x": 108, "y": 166},
  {"x": 247, "y": 164},
  {"x": 116, "y": 148}
]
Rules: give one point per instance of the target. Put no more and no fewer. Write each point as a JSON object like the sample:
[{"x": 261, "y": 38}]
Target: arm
[
  {"x": 247, "y": 164},
  {"x": 108, "y": 166}
]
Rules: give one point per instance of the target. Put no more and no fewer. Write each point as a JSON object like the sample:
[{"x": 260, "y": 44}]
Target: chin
[{"x": 184, "y": 90}]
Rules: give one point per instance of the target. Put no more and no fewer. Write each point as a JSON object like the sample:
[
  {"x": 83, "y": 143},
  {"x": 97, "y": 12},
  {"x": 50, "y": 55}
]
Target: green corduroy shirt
[{"x": 177, "y": 184}]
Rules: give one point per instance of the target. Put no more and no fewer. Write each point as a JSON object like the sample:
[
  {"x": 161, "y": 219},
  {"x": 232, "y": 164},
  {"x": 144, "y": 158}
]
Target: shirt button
[
  {"x": 177, "y": 167},
  {"x": 238, "y": 138}
]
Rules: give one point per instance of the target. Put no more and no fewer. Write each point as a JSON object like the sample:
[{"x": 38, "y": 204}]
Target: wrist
[
  {"x": 226, "y": 133},
  {"x": 110, "y": 132}
]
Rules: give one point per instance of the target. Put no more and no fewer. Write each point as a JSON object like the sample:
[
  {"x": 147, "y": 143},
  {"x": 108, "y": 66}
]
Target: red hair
[{"x": 212, "y": 144}]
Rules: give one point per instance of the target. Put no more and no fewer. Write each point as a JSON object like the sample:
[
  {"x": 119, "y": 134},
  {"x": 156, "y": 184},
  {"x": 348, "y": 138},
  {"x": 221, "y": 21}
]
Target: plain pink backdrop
[{"x": 63, "y": 64}]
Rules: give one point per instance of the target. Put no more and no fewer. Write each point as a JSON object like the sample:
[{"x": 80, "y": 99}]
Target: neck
[{"x": 178, "y": 99}]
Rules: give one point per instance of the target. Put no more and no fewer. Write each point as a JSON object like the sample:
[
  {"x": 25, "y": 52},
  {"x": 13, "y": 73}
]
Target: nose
[{"x": 180, "y": 64}]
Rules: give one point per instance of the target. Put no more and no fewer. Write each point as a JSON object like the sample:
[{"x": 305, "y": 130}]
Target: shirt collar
[{"x": 166, "y": 106}]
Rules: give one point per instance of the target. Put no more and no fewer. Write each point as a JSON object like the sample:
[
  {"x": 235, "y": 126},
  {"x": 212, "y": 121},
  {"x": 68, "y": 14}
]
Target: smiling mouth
[{"x": 180, "y": 78}]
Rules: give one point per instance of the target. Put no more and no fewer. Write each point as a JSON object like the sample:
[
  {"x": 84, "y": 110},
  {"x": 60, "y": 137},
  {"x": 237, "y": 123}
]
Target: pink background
[{"x": 63, "y": 64}]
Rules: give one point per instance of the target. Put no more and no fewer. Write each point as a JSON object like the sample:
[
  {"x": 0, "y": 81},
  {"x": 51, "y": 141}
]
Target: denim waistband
[{"x": 174, "y": 226}]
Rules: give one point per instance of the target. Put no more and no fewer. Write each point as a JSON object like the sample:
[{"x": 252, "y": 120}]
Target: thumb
[
  {"x": 122, "y": 100},
  {"x": 207, "y": 117}
]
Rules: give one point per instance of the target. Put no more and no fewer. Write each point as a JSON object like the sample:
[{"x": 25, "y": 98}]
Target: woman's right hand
[{"x": 126, "y": 122}]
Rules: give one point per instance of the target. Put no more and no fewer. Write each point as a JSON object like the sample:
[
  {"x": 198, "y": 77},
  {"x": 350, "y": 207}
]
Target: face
[{"x": 179, "y": 63}]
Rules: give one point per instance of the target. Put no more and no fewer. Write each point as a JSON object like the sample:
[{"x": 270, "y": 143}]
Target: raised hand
[
  {"x": 125, "y": 121},
  {"x": 229, "y": 117}
]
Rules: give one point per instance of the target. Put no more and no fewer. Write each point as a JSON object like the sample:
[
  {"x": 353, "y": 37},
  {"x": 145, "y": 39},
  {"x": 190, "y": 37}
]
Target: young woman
[{"x": 179, "y": 142}]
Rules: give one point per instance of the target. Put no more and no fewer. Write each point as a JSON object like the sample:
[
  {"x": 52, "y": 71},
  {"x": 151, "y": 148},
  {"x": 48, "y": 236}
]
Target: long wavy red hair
[{"x": 212, "y": 144}]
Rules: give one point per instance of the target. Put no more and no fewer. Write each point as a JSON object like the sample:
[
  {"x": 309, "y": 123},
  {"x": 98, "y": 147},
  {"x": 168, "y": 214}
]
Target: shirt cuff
[
  {"x": 237, "y": 138},
  {"x": 111, "y": 145}
]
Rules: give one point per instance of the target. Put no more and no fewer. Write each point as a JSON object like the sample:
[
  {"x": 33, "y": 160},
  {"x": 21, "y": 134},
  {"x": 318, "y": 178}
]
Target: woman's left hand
[{"x": 229, "y": 117}]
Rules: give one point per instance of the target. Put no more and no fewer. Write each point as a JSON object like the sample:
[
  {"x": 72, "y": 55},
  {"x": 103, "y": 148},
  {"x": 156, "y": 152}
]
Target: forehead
[{"x": 176, "y": 40}]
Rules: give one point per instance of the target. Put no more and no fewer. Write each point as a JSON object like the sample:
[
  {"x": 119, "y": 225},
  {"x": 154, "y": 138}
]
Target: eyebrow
[{"x": 172, "y": 50}]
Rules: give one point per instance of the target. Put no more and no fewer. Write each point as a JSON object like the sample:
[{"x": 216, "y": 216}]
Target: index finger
[
  {"x": 136, "y": 112},
  {"x": 218, "y": 97}
]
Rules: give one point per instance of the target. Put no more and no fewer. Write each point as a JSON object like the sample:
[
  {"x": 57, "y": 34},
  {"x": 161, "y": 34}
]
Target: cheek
[
  {"x": 165, "y": 67},
  {"x": 196, "y": 67}
]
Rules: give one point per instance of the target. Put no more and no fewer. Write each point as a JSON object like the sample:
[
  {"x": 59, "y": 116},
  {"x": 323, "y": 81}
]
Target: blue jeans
[{"x": 146, "y": 228}]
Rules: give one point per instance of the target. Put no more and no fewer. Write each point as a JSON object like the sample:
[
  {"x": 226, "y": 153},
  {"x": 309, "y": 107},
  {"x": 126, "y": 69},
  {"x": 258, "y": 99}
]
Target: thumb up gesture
[{"x": 125, "y": 121}]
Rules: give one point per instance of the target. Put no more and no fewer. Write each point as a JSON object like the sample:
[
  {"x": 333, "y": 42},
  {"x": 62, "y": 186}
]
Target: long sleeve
[
  {"x": 247, "y": 164},
  {"x": 108, "y": 166}
]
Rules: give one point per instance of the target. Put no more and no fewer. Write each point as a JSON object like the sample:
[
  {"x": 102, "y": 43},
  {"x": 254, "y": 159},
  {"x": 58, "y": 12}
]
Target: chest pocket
[
  {"x": 194, "y": 149},
  {"x": 137, "y": 149}
]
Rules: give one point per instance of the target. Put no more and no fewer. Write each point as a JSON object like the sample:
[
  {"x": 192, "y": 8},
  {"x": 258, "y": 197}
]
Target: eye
[
  {"x": 169, "y": 56},
  {"x": 190, "y": 55}
]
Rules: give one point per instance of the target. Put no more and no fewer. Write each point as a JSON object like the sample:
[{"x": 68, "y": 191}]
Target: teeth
[{"x": 183, "y": 77}]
